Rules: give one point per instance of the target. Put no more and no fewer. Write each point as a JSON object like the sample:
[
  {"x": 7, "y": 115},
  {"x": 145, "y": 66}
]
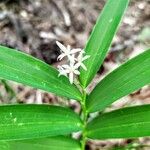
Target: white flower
[
  {"x": 62, "y": 71},
  {"x": 81, "y": 58},
  {"x": 66, "y": 51},
  {"x": 71, "y": 69}
]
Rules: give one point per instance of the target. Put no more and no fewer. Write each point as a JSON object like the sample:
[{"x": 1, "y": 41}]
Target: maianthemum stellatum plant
[{"x": 47, "y": 127}]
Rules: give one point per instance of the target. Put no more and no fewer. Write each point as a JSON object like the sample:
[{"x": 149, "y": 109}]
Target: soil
[{"x": 34, "y": 26}]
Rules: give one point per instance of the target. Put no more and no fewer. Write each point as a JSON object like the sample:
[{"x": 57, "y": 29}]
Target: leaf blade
[
  {"x": 23, "y": 68},
  {"x": 124, "y": 80},
  {"x": 101, "y": 37},
  {"x": 52, "y": 143},
  {"x": 128, "y": 122},
  {"x": 36, "y": 121}
]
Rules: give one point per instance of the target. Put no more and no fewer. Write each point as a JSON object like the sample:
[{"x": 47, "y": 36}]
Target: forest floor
[{"x": 34, "y": 27}]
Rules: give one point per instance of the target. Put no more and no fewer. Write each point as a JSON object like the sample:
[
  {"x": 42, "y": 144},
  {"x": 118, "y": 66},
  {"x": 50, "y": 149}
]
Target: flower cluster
[{"x": 75, "y": 59}]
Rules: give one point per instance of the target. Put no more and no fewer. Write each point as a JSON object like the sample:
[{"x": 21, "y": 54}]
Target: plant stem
[{"x": 84, "y": 117}]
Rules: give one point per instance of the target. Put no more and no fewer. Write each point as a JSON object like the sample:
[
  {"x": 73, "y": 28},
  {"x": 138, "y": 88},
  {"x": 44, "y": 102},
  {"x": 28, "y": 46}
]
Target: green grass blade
[
  {"x": 101, "y": 37},
  {"x": 36, "y": 121},
  {"x": 128, "y": 122},
  {"x": 52, "y": 143},
  {"x": 23, "y": 68},
  {"x": 124, "y": 80}
]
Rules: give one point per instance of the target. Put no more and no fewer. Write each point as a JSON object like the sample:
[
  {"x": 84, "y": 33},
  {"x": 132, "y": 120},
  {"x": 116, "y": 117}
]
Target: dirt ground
[{"x": 34, "y": 26}]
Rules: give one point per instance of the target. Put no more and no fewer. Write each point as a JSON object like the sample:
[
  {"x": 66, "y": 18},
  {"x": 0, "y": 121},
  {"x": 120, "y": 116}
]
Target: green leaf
[
  {"x": 28, "y": 70},
  {"x": 101, "y": 37},
  {"x": 52, "y": 143},
  {"x": 36, "y": 121},
  {"x": 123, "y": 123},
  {"x": 124, "y": 80}
]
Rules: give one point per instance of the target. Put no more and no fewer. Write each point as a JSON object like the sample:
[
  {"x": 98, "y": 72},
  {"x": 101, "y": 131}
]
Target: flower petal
[
  {"x": 62, "y": 71},
  {"x": 71, "y": 77},
  {"x": 75, "y": 50},
  {"x": 85, "y": 57},
  {"x": 76, "y": 72},
  {"x": 61, "y": 46},
  {"x": 77, "y": 65},
  {"x": 83, "y": 66},
  {"x": 71, "y": 59},
  {"x": 61, "y": 56},
  {"x": 66, "y": 66}
]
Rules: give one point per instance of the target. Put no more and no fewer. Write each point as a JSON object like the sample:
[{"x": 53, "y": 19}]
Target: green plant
[{"x": 46, "y": 127}]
